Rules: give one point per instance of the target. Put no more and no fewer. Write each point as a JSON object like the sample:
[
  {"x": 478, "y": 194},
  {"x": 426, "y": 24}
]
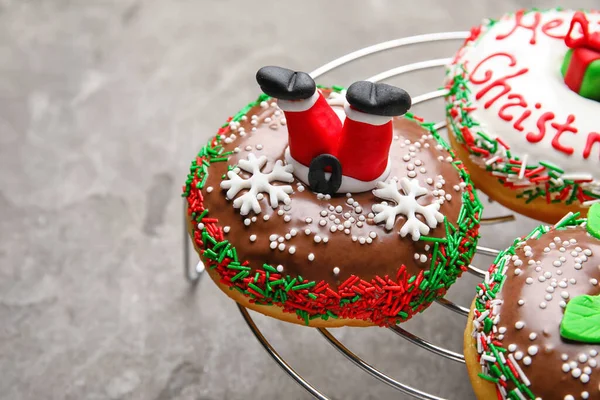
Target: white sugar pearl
[
  {"x": 280, "y": 268},
  {"x": 573, "y": 364},
  {"x": 311, "y": 257},
  {"x": 543, "y": 305},
  {"x": 292, "y": 249},
  {"x": 336, "y": 271},
  {"x": 512, "y": 347},
  {"x": 527, "y": 360},
  {"x": 532, "y": 350},
  {"x": 252, "y": 238},
  {"x": 518, "y": 355},
  {"x": 566, "y": 368},
  {"x": 519, "y": 324},
  {"x": 576, "y": 373}
]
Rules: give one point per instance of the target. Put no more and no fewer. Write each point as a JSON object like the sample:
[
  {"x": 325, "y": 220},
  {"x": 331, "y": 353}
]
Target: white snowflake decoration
[
  {"x": 407, "y": 205},
  {"x": 258, "y": 183}
]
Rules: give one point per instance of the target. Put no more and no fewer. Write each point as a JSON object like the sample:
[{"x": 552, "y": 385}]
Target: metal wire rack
[{"x": 193, "y": 273}]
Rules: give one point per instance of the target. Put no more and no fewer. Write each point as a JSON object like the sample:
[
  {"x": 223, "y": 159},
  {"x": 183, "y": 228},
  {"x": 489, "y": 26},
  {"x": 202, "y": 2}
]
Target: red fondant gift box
[{"x": 581, "y": 67}]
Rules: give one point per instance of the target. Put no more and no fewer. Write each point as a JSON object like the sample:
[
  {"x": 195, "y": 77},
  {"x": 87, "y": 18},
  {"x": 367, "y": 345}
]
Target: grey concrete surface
[{"x": 102, "y": 105}]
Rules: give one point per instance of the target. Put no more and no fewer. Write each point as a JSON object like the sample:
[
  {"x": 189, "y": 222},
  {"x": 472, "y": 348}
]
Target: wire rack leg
[{"x": 192, "y": 274}]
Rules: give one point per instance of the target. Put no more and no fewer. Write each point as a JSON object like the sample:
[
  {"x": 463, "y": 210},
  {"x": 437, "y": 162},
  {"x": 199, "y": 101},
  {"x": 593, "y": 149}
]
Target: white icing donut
[{"x": 507, "y": 92}]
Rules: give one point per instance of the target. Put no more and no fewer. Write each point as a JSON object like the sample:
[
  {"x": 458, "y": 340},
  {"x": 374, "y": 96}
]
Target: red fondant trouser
[{"x": 361, "y": 145}]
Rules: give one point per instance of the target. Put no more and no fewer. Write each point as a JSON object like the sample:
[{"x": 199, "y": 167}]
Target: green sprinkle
[
  {"x": 304, "y": 286},
  {"x": 488, "y": 378}
]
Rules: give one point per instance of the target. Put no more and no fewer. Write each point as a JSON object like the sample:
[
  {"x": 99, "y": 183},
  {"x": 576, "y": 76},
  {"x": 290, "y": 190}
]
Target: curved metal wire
[
  {"x": 359, "y": 362},
  {"x": 409, "y": 68},
  {"x": 476, "y": 271},
  {"x": 392, "y": 44},
  {"x": 486, "y": 251},
  {"x": 453, "y": 306},
  {"x": 280, "y": 361},
  {"x": 414, "y": 339}
]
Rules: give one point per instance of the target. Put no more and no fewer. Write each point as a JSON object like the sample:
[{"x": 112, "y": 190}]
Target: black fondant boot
[
  {"x": 378, "y": 99},
  {"x": 285, "y": 84}
]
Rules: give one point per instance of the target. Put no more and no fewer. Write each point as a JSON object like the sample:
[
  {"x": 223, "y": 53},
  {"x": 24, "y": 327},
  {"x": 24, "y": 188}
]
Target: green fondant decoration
[
  {"x": 590, "y": 86},
  {"x": 566, "y": 62},
  {"x": 593, "y": 220},
  {"x": 581, "y": 322}
]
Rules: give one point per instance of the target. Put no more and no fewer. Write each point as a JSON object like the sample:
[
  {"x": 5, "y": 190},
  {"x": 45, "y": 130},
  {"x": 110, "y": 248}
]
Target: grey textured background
[{"x": 102, "y": 105}]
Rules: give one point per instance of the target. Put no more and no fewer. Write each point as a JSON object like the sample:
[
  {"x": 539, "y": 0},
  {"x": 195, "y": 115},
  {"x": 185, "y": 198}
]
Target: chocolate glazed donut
[
  {"x": 269, "y": 219},
  {"x": 534, "y": 330}
]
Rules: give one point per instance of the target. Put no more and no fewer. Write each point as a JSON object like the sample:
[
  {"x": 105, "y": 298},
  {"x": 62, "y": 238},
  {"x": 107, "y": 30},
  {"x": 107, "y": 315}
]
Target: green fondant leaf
[
  {"x": 581, "y": 322},
  {"x": 593, "y": 222}
]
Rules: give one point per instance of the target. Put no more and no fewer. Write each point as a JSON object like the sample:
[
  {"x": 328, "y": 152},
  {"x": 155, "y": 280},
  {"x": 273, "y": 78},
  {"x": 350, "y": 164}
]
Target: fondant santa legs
[{"x": 329, "y": 154}]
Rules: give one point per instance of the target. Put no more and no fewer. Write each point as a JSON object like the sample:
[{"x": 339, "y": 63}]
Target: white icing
[
  {"x": 406, "y": 204},
  {"x": 542, "y": 84},
  {"x": 349, "y": 184},
  {"x": 360, "y": 116},
  {"x": 259, "y": 182},
  {"x": 299, "y": 105}
]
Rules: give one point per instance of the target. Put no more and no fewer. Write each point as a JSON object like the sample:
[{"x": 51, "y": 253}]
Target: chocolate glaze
[
  {"x": 548, "y": 381},
  {"x": 383, "y": 256}
]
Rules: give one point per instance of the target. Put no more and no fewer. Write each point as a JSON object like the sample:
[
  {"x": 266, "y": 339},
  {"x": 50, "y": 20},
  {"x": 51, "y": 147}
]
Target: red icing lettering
[
  {"x": 488, "y": 73},
  {"x": 520, "y": 102},
  {"x": 522, "y": 119},
  {"x": 593, "y": 137},
  {"x": 550, "y": 25},
  {"x": 519, "y": 24},
  {"x": 560, "y": 129},
  {"x": 541, "y": 125},
  {"x": 500, "y": 82}
]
